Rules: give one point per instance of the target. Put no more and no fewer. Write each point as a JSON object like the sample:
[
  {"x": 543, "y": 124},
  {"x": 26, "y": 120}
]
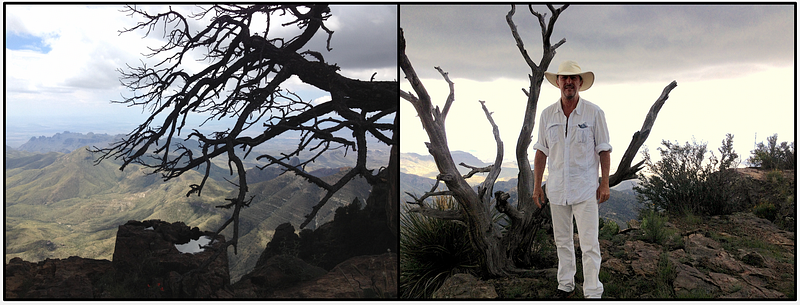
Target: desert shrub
[
  {"x": 431, "y": 250},
  {"x": 765, "y": 210},
  {"x": 608, "y": 228},
  {"x": 682, "y": 181},
  {"x": 653, "y": 229},
  {"x": 778, "y": 205},
  {"x": 772, "y": 155}
]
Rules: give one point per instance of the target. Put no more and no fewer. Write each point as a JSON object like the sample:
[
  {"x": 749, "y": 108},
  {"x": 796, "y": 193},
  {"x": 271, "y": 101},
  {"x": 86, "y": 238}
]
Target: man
[{"x": 573, "y": 139}]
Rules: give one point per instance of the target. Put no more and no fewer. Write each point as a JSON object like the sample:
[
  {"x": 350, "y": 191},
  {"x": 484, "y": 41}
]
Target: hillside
[
  {"x": 287, "y": 198},
  {"x": 76, "y": 206},
  {"x": 59, "y": 205},
  {"x": 424, "y": 166}
]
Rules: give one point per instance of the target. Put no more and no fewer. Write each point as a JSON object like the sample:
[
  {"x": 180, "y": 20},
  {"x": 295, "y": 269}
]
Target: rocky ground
[{"x": 738, "y": 256}]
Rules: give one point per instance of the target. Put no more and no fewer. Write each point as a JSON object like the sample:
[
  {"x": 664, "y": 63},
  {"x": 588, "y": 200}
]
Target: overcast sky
[
  {"x": 61, "y": 62},
  {"x": 734, "y": 66}
]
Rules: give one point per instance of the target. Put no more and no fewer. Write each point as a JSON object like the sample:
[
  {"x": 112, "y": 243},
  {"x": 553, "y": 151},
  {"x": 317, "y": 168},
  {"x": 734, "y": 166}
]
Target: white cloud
[{"x": 75, "y": 82}]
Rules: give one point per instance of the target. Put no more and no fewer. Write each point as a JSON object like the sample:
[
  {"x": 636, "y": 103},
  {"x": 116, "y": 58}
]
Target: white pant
[{"x": 586, "y": 217}]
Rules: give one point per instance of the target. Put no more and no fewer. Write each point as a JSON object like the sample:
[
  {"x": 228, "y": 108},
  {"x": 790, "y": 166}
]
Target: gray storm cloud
[{"x": 619, "y": 43}]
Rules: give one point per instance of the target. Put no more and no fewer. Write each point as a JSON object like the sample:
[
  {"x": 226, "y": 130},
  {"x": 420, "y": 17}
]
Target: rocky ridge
[{"x": 148, "y": 265}]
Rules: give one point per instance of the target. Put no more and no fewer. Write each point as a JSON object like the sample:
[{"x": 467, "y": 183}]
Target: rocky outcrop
[
  {"x": 746, "y": 276},
  {"x": 737, "y": 256},
  {"x": 149, "y": 251},
  {"x": 704, "y": 265},
  {"x": 71, "y": 278},
  {"x": 152, "y": 259}
]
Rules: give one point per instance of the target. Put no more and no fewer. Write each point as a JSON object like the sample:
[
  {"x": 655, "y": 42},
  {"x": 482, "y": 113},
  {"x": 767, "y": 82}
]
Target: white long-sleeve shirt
[{"x": 572, "y": 146}]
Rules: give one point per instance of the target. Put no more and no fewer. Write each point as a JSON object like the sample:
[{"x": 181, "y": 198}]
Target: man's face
[{"x": 569, "y": 85}]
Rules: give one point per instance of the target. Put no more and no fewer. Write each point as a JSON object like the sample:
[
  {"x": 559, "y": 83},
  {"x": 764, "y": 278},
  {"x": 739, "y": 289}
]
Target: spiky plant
[{"x": 431, "y": 250}]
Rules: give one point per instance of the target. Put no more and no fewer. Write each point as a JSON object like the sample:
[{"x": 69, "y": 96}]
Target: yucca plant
[{"x": 431, "y": 250}]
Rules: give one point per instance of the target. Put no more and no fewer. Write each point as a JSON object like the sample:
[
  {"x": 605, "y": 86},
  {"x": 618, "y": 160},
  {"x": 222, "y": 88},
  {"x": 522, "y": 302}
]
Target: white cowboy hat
[{"x": 571, "y": 68}]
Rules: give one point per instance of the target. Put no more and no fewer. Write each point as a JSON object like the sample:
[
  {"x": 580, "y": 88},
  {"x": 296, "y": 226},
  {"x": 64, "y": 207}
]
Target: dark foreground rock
[
  {"x": 146, "y": 251},
  {"x": 369, "y": 277},
  {"x": 71, "y": 278},
  {"x": 146, "y": 264}
]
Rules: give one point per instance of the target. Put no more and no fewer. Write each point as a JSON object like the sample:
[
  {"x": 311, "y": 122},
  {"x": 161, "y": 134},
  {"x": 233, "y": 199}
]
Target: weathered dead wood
[
  {"x": 476, "y": 213},
  {"x": 519, "y": 238},
  {"x": 624, "y": 170}
]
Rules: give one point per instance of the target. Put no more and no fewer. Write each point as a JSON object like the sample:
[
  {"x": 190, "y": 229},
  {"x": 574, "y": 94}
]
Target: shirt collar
[{"x": 578, "y": 108}]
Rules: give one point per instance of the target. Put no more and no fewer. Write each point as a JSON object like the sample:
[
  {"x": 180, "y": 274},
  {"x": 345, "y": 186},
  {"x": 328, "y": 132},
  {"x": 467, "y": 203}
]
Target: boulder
[
  {"x": 465, "y": 286},
  {"x": 145, "y": 254}
]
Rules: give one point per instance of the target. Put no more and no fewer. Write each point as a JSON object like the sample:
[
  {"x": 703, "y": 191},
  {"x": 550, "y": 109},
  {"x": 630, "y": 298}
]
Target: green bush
[
  {"x": 683, "y": 182},
  {"x": 765, "y": 210},
  {"x": 772, "y": 155},
  {"x": 777, "y": 203},
  {"x": 653, "y": 228},
  {"x": 608, "y": 228},
  {"x": 431, "y": 250}
]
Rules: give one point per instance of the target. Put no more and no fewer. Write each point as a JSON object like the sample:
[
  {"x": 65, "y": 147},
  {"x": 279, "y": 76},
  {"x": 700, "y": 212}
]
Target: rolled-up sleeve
[
  {"x": 541, "y": 143},
  {"x": 601, "y": 137}
]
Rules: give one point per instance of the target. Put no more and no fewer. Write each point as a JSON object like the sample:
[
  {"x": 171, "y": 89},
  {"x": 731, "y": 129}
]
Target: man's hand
[
  {"x": 603, "y": 193},
  {"x": 538, "y": 196},
  {"x": 539, "y": 162}
]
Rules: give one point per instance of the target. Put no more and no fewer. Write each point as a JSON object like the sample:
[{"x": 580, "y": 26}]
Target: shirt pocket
[
  {"x": 585, "y": 139},
  {"x": 585, "y": 135},
  {"x": 554, "y": 134}
]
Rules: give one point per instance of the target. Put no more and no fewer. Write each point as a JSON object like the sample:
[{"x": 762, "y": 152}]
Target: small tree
[{"x": 773, "y": 156}]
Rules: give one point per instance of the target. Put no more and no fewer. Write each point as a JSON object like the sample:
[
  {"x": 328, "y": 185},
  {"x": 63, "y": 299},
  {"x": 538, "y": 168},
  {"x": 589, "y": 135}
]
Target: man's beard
[{"x": 572, "y": 94}]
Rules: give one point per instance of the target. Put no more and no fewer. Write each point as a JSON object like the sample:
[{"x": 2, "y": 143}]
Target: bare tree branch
[
  {"x": 624, "y": 170},
  {"x": 487, "y": 186},
  {"x": 474, "y": 170},
  {"x": 431, "y": 212},
  {"x": 450, "y": 97}
]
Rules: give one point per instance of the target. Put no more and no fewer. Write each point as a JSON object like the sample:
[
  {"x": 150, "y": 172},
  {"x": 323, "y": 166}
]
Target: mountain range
[{"x": 58, "y": 203}]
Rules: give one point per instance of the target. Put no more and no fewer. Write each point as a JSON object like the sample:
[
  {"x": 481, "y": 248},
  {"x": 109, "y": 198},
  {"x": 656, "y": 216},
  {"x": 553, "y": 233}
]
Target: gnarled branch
[{"x": 624, "y": 170}]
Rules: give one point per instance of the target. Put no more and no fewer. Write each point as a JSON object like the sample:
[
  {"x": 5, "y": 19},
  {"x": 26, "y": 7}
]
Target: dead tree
[
  {"x": 243, "y": 80},
  {"x": 509, "y": 253}
]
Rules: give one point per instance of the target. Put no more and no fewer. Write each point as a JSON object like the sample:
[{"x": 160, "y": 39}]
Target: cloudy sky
[
  {"x": 734, "y": 66},
  {"x": 61, "y": 62}
]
